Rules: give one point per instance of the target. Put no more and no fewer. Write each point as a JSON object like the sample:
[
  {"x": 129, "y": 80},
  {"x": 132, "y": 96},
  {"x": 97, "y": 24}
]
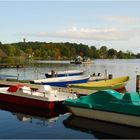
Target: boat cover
[{"x": 14, "y": 88}]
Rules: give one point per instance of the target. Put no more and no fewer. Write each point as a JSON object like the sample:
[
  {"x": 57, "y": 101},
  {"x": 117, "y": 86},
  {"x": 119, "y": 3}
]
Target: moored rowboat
[
  {"x": 62, "y": 81},
  {"x": 115, "y": 83}
]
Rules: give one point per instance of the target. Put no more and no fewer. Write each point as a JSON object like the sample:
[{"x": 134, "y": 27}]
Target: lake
[{"x": 23, "y": 123}]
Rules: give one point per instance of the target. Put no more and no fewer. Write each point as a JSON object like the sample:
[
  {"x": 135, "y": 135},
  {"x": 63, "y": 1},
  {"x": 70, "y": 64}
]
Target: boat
[
  {"x": 115, "y": 83},
  {"x": 81, "y": 60},
  {"x": 62, "y": 81},
  {"x": 108, "y": 105},
  {"x": 63, "y": 73},
  {"x": 102, "y": 129},
  {"x": 44, "y": 97}
]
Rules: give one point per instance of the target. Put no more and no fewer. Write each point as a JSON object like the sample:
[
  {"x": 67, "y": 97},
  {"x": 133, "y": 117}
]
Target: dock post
[
  {"x": 17, "y": 66},
  {"x": 106, "y": 73},
  {"x": 110, "y": 76},
  {"x": 18, "y": 77},
  {"x": 138, "y": 83}
]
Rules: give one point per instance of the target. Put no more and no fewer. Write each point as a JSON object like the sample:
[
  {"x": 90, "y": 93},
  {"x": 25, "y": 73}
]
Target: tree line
[{"x": 63, "y": 51}]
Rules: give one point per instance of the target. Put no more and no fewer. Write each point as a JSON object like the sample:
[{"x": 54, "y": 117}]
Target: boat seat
[
  {"x": 25, "y": 89},
  {"x": 104, "y": 96},
  {"x": 45, "y": 88},
  {"x": 131, "y": 98},
  {"x": 98, "y": 99},
  {"x": 93, "y": 74}
]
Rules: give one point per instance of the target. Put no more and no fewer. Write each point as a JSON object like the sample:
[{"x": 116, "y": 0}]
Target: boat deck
[{"x": 4, "y": 83}]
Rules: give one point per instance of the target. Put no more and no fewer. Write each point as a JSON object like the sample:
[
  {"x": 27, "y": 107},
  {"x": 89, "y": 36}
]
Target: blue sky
[{"x": 115, "y": 24}]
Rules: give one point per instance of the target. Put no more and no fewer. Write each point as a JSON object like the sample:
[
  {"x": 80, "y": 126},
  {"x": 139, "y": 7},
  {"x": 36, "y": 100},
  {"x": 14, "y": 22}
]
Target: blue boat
[
  {"x": 63, "y": 73},
  {"x": 108, "y": 105},
  {"x": 62, "y": 81}
]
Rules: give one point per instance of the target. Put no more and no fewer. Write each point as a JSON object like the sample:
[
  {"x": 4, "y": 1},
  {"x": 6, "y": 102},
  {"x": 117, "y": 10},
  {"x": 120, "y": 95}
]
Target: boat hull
[
  {"x": 64, "y": 83},
  {"x": 113, "y": 117},
  {"x": 73, "y": 62},
  {"x": 41, "y": 112},
  {"x": 30, "y": 102},
  {"x": 116, "y": 84},
  {"x": 88, "y": 62}
]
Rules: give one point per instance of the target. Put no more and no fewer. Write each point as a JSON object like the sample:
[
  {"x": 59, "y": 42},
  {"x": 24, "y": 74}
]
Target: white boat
[
  {"x": 63, "y": 73},
  {"x": 44, "y": 97},
  {"x": 62, "y": 81}
]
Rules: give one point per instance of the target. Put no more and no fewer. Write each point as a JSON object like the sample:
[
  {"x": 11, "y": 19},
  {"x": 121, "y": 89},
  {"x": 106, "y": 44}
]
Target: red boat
[{"x": 45, "y": 97}]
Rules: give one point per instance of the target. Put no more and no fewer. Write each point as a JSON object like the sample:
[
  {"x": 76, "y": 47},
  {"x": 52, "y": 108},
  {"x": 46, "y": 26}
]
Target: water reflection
[
  {"x": 33, "y": 115},
  {"x": 101, "y": 129},
  {"x": 42, "y": 121}
]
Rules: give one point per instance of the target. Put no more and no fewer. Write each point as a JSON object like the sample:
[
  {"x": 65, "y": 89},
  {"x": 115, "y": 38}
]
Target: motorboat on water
[{"x": 44, "y": 97}]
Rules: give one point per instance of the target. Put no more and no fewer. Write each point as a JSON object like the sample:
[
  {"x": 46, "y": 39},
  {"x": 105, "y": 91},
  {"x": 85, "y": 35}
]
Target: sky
[{"x": 115, "y": 24}]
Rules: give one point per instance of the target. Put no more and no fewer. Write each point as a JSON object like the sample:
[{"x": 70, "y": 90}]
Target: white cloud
[
  {"x": 122, "y": 19},
  {"x": 99, "y": 34}
]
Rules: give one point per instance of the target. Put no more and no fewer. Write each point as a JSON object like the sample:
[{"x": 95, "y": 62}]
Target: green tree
[
  {"x": 120, "y": 55},
  {"x": 17, "y": 52},
  {"x": 103, "y": 52},
  {"x": 94, "y": 52},
  {"x": 112, "y": 53},
  {"x": 138, "y": 55},
  {"x": 10, "y": 50}
]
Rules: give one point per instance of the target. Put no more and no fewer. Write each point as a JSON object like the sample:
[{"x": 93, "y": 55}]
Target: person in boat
[
  {"x": 53, "y": 73},
  {"x": 99, "y": 74}
]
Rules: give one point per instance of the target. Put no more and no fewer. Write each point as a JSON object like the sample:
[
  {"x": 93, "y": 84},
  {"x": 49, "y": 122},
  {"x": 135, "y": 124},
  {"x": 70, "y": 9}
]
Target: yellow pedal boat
[{"x": 115, "y": 83}]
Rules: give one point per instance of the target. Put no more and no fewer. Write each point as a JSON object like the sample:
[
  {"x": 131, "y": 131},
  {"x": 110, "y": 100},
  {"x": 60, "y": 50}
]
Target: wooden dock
[
  {"x": 4, "y": 83},
  {"x": 8, "y": 65}
]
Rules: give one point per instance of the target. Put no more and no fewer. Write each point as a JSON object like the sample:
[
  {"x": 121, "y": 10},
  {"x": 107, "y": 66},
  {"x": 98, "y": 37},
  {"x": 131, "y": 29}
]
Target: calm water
[{"x": 35, "y": 124}]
